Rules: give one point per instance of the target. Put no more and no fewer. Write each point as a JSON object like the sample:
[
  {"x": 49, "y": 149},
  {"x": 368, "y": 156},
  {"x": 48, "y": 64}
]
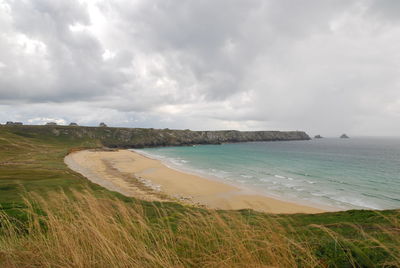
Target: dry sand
[{"x": 133, "y": 174}]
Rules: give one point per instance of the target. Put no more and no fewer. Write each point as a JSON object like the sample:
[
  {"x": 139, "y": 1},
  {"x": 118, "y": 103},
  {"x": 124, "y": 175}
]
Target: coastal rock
[
  {"x": 146, "y": 137},
  {"x": 102, "y": 124},
  {"x": 14, "y": 123},
  {"x": 72, "y": 124},
  {"x": 318, "y": 137},
  {"x": 344, "y": 136},
  {"x": 56, "y": 132}
]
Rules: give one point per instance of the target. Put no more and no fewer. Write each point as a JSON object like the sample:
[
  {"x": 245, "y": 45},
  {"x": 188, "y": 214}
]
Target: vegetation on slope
[
  {"x": 148, "y": 137},
  {"x": 54, "y": 217},
  {"x": 33, "y": 162}
]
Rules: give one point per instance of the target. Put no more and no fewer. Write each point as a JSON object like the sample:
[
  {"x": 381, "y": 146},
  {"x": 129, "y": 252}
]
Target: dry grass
[
  {"x": 91, "y": 232},
  {"x": 86, "y": 231}
]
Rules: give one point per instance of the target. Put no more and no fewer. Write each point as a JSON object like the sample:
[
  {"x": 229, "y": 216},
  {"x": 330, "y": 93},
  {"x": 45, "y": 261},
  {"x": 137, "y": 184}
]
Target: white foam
[
  {"x": 356, "y": 202},
  {"x": 276, "y": 186}
]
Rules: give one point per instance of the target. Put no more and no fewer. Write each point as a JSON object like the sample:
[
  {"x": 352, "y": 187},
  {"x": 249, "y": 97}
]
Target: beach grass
[
  {"x": 83, "y": 230},
  {"x": 54, "y": 217}
]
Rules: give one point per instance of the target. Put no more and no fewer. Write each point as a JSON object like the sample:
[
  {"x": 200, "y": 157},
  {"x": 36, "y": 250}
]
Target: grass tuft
[{"x": 83, "y": 230}]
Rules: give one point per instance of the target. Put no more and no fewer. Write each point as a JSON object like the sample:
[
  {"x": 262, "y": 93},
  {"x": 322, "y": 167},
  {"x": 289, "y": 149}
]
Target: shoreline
[
  {"x": 137, "y": 175},
  {"x": 243, "y": 188}
]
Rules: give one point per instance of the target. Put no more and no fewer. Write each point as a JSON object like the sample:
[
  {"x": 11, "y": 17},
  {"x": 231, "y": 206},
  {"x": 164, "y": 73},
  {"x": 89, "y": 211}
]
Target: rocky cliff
[{"x": 148, "y": 137}]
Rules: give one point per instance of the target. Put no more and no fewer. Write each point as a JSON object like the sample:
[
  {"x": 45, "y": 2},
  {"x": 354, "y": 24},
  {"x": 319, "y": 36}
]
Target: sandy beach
[{"x": 135, "y": 175}]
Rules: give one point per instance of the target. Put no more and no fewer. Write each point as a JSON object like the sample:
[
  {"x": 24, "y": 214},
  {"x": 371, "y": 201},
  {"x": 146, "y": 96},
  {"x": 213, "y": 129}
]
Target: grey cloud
[
  {"x": 47, "y": 18},
  {"x": 385, "y": 10},
  {"x": 69, "y": 65},
  {"x": 315, "y": 65}
]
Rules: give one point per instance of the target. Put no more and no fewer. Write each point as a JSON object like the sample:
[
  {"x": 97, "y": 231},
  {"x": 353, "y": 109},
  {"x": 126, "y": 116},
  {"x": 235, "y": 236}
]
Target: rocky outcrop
[
  {"x": 145, "y": 137},
  {"x": 318, "y": 137},
  {"x": 344, "y": 136},
  {"x": 11, "y": 123}
]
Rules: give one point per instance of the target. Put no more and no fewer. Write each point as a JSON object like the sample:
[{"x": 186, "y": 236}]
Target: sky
[{"x": 326, "y": 67}]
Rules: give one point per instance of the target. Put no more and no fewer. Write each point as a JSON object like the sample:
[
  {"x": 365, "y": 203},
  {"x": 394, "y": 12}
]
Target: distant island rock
[
  {"x": 73, "y": 124},
  {"x": 318, "y": 137},
  {"x": 344, "y": 136}
]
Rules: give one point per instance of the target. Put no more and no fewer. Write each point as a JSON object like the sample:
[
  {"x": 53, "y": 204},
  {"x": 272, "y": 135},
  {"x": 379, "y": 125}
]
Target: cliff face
[{"x": 141, "y": 137}]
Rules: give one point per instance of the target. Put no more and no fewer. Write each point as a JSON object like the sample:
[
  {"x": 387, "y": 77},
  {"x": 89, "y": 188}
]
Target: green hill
[{"x": 52, "y": 216}]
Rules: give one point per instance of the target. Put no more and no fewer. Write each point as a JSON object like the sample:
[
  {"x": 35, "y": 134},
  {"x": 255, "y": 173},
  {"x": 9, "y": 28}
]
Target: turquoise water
[{"x": 339, "y": 173}]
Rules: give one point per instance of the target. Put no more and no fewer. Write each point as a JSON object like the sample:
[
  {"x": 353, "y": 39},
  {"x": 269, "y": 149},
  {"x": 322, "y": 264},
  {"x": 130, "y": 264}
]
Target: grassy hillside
[
  {"x": 33, "y": 162},
  {"x": 89, "y": 226},
  {"x": 148, "y": 137}
]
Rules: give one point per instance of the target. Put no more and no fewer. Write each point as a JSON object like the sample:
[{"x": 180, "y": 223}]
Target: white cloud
[
  {"x": 326, "y": 67},
  {"x": 44, "y": 120}
]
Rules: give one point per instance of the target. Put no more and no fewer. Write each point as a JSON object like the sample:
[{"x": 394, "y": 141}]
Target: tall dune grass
[{"x": 86, "y": 231}]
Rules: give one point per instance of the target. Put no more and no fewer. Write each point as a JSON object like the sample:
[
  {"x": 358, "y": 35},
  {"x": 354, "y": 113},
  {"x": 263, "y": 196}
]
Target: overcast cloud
[{"x": 326, "y": 67}]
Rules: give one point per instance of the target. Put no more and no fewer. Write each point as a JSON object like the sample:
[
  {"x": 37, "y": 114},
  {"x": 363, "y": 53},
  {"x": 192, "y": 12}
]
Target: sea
[{"x": 331, "y": 173}]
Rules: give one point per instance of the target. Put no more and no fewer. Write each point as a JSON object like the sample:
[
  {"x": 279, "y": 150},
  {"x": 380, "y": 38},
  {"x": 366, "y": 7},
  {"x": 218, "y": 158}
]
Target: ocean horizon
[{"x": 331, "y": 173}]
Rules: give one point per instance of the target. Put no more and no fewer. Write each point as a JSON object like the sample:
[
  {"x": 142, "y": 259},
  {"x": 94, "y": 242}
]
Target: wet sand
[{"x": 135, "y": 175}]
